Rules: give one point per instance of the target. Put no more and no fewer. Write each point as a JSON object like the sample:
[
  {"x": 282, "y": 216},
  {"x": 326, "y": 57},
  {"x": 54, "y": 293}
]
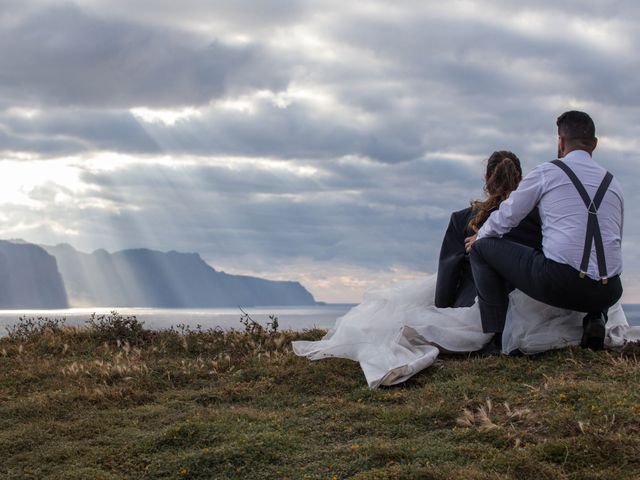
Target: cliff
[
  {"x": 149, "y": 278},
  {"x": 29, "y": 278}
]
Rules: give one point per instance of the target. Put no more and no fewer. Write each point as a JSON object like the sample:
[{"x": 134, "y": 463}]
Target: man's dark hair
[{"x": 576, "y": 126}]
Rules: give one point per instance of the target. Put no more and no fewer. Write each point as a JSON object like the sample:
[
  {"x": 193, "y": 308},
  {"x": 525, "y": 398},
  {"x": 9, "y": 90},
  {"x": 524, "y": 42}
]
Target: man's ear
[
  {"x": 595, "y": 143},
  {"x": 561, "y": 146}
]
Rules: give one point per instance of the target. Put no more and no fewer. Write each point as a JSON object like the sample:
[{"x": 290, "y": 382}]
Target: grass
[{"x": 115, "y": 401}]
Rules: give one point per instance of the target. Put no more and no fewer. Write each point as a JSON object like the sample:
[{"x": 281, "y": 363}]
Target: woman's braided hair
[{"x": 503, "y": 176}]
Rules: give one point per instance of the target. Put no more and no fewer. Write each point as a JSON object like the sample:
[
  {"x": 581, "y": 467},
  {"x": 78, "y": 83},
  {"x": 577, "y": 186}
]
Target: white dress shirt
[{"x": 564, "y": 214}]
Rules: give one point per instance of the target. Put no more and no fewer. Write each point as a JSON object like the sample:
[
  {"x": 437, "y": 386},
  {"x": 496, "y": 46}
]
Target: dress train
[{"x": 397, "y": 331}]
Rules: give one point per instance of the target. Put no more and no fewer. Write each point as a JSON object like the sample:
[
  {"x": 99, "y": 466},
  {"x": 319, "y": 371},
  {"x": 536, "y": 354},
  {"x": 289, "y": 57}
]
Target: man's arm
[{"x": 516, "y": 207}]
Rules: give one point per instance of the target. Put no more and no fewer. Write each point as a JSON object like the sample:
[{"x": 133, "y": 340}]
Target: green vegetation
[{"x": 115, "y": 401}]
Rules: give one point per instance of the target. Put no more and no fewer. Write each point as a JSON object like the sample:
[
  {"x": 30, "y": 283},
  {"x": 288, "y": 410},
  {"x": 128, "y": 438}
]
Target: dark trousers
[{"x": 499, "y": 266}]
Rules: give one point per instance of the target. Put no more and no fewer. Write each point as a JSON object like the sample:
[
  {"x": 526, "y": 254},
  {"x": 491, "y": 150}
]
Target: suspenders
[{"x": 593, "y": 226}]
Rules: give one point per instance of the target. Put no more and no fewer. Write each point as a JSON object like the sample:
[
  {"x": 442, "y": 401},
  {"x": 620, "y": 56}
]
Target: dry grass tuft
[{"x": 484, "y": 417}]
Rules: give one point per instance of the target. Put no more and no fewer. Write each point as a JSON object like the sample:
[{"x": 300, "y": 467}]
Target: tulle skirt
[{"x": 397, "y": 331}]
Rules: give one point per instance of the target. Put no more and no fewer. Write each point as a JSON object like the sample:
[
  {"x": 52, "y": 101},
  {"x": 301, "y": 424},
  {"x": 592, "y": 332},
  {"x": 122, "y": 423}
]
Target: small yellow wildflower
[
  {"x": 355, "y": 446},
  {"x": 563, "y": 396}
]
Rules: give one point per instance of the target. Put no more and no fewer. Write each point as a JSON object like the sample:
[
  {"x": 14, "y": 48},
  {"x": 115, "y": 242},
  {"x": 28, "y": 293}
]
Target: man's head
[{"x": 576, "y": 131}]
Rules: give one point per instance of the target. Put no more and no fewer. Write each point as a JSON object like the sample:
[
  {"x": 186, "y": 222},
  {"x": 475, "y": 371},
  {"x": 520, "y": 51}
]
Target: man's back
[{"x": 564, "y": 215}]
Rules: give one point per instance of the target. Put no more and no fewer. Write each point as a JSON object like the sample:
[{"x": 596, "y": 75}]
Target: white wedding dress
[{"x": 397, "y": 331}]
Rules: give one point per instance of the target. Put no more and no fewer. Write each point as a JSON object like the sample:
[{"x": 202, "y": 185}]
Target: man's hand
[{"x": 469, "y": 241}]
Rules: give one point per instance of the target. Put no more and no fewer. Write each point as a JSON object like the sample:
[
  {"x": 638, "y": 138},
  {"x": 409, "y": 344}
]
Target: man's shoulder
[
  {"x": 615, "y": 183},
  {"x": 616, "y": 188},
  {"x": 547, "y": 173},
  {"x": 545, "y": 166},
  {"x": 541, "y": 170}
]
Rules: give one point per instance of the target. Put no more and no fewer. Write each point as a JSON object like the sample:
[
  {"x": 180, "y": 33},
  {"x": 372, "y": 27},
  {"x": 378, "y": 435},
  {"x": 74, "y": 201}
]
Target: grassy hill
[{"x": 116, "y": 401}]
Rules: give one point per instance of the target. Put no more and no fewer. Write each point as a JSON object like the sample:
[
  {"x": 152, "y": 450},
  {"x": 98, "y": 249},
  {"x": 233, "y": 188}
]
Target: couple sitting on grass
[{"x": 535, "y": 266}]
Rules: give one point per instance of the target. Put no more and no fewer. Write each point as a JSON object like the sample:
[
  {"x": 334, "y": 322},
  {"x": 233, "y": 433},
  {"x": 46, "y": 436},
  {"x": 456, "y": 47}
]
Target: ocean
[{"x": 295, "y": 318}]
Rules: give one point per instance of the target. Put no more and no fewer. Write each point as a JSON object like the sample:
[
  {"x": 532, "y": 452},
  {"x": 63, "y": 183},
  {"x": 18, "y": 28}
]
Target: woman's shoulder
[
  {"x": 459, "y": 222},
  {"x": 462, "y": 217}
]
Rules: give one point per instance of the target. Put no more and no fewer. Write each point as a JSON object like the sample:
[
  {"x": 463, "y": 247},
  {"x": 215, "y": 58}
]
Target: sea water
[{"x": 295, "y": 318}]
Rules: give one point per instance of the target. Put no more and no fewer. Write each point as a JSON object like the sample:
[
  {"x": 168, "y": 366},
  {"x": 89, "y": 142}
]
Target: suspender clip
[
  {"x": 605, "y": 280},
  {"x": 583, "y": 274}
]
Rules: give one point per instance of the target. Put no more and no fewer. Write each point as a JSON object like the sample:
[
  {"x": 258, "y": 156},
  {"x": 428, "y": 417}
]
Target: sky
[{"x": 324, "y": 142}]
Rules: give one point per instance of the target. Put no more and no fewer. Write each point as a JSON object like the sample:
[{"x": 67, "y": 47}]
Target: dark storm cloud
[
  {"x": 292, "y": 132},
  {"x": 63, "y": 56},
  {"x": 70, "y": 131},
  {"x": 423, "y": 88},
  {"x": 11, "y": 142},
  {"x": 264, "y": 15},
  {"x": 296, "y": 131}
]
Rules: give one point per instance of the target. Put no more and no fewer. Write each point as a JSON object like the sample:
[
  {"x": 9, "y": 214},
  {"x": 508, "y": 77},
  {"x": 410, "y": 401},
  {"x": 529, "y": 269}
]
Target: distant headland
[{"x": 42, "y": 277}]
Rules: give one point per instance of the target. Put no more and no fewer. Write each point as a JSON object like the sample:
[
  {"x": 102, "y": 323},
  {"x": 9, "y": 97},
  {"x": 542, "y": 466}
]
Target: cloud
[
  {"x": 277, "y": 211},
  {"x": 297, "y": 133},
  {"x": 63, "y": 56},
  {"x": 65, "y": 131}
]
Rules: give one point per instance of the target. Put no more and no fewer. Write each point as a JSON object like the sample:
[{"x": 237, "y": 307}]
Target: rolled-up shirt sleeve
[{"x": 520, "y": 202}]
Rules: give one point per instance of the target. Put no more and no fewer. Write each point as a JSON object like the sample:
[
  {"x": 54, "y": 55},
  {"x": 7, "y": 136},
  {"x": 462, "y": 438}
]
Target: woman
[
  {"x": 397, "y": 331},
  {"x": 455, "y": 287}
]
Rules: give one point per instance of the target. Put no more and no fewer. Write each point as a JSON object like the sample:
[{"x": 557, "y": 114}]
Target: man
[{"x": 581, "y": 210}]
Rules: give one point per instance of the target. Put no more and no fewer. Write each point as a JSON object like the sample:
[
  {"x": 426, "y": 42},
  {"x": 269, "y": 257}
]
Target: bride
[{"x": 399, "y": 330}]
